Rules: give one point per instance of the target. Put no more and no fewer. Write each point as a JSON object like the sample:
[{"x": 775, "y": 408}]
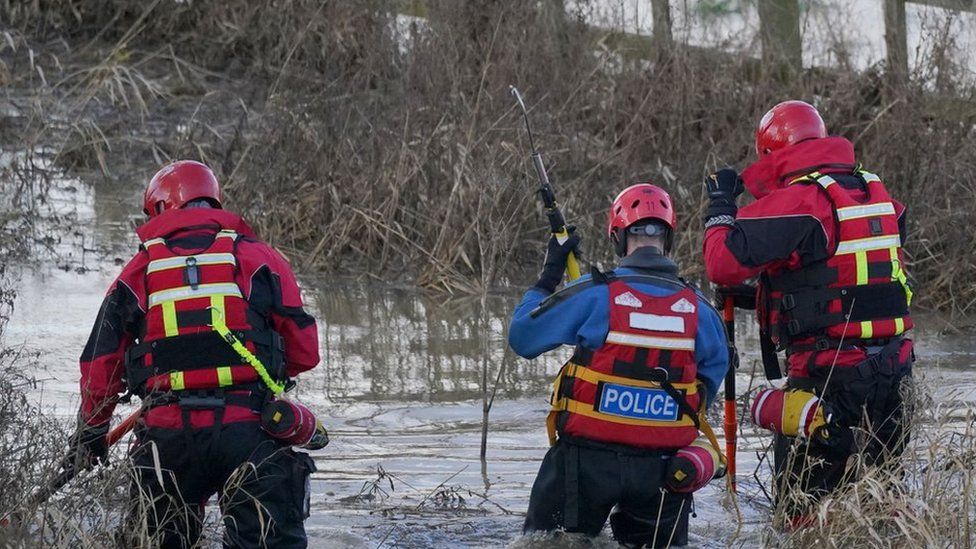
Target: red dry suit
[
  {"x": 827, "y": 240},
  {"x": 154, "y": 332}
]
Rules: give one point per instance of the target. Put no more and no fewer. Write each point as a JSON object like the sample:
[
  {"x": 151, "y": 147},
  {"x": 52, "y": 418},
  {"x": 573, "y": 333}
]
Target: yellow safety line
[{"x": 217, "y": 318}]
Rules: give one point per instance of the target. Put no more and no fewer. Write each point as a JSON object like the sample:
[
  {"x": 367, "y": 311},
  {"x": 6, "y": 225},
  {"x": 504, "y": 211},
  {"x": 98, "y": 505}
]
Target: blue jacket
[{"x": 583, "y": 318}]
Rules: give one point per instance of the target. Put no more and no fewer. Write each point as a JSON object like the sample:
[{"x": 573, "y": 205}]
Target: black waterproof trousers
[
  {"x": 263, "y": 486},
  {"x": 869, "y": 418},
  {"x": 580, "y": 482}
]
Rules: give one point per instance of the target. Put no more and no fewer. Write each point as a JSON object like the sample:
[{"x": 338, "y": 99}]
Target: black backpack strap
[
  {"x": 605, "y": 278},
  {"x": 770, "y": 359}
]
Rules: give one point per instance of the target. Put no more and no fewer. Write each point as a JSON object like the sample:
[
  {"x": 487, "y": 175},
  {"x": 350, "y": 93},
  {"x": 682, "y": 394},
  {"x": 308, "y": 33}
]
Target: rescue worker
[
  {"x": 201, "y": 280},
  {"x": 650, "y": 353},
  {"x": 825, "y": 239}
]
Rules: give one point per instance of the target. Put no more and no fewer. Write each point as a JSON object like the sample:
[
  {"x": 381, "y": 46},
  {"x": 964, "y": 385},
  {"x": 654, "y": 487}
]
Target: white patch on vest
[
  {"x": 657, "y": 323},
  {"x": 683, "y": 306},
  {"x": 628, "y": 300}
]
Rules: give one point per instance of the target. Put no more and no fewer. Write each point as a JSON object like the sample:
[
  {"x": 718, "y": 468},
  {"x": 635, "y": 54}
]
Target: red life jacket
[
  {"x": 639, "y": 388},
  {"x": 187, "y": 295},
  {"x": 858, "y": 293}
]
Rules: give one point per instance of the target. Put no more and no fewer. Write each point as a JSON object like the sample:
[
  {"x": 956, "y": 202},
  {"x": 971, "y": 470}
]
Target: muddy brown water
[{"x": 400, "y": 388}]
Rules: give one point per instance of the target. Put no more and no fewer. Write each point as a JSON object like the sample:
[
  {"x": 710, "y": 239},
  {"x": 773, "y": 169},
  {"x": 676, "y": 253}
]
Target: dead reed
[
  {"x": 925, "y": 501},
  {"x": 364, "y": 141}
]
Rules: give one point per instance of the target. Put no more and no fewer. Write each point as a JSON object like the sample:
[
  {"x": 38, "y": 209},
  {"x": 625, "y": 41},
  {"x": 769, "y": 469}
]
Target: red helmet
[
  {"x": 786, "y": 124},
  {"x": 178, "y": 183},
  {"x": 640, "y": 202}
]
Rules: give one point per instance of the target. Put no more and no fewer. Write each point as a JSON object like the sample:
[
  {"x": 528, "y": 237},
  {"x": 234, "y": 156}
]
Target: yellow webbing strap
[
  {"x": 225, "y": 376},
  {"x": 812, "y": 176},
  {"x": 219, "y": 326},
  {"x": 898, "y": 274},
  {"x": 705, "y": 428},
  {"x": 176, "y": 381},
  {"x": 560, "y": 403},
  {"x": 170, "y": 324}
]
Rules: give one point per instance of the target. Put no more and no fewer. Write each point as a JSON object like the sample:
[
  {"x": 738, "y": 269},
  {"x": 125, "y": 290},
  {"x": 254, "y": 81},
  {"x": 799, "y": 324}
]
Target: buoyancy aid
[
  {"x": 860, "y": 292},
  {"x": 200, "y": 333},
  {"x": 639, "y": 389}
]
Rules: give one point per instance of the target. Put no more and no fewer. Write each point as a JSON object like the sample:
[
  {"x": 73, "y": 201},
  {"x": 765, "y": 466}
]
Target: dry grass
[
  {"x": 360, "y": 142},
  {"x": 926, "y": 502}
]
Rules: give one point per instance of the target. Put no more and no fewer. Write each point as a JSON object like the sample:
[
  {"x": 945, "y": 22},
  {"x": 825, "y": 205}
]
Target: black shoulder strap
[
  {"x": 770, "y": 359},
  {"x": 606, "y": 278}
]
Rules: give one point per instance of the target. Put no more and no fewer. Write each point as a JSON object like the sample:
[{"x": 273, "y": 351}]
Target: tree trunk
[
  {"x": 661, "y": 14},
  {"x": 896, "y": 42},
  {"x": 779, "y": 29}
]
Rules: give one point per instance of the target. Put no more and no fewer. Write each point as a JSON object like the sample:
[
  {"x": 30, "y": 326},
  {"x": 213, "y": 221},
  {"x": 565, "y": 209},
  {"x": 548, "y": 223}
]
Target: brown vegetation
[{"x": 360, "y": 142}]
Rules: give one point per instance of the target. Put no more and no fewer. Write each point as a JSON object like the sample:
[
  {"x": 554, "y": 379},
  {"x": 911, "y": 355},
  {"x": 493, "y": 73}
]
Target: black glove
[
  {"x": 88, "y": 446},
  {"x": 743, "y": 296},
  {"x": 556, "y": 257},
  {"x": 723, "y": 187}
]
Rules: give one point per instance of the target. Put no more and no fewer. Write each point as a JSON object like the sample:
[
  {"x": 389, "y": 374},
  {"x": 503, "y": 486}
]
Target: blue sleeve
[
  {"x": 580, "y": 319},
  {"x": 711, "y": 349}
]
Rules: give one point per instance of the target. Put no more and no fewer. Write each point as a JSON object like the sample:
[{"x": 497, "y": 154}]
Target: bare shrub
[{"x": 378, "y": 137}]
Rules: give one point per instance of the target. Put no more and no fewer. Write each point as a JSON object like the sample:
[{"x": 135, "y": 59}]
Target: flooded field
[{"x": 400, "y": 388}]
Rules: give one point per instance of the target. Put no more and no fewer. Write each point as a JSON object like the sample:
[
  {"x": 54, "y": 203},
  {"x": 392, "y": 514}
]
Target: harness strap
[
  {"x": 770, "y": 360},
  {"x": 807, "y": 309},
  {"x": 573, "y": 289}
]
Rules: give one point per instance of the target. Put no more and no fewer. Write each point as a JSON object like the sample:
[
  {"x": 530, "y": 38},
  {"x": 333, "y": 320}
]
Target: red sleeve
[
  {"x": 102, "y": 361},
  {"x": 721, "y": 266},
  {"x": 787, "y": 228},
  {"x": 296, "y": 327}
]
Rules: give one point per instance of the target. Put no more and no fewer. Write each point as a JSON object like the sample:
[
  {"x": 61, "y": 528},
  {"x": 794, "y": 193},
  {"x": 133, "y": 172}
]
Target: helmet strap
[{"x": 619, "y": 239}]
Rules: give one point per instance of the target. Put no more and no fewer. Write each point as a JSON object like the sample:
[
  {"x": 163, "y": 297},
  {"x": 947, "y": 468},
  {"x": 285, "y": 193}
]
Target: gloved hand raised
[
  {"x": 88, "y": 446},
  {"x": 723, "y": 188},
  {"x": 556, "y": 257}
]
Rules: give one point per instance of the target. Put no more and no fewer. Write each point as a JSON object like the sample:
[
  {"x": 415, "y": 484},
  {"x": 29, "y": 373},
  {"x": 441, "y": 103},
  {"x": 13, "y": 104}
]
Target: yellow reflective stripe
[
  {"x": 861, "y": 261},
  {"x": 188, "y": 292},
  {"x": 226, "y": 234},
  {"x": 652, "y": 342},
  {"x": 224, "y": 376},
  {"x": 170, "y": 325},
  {"x": 867, "y": 329},
  {"x": 587, "y": 410},
  {"x": 899, "y": 326},
  {"x": 592, "y": 376},
  {"x": 869, "y": 177},
  {"x": 178, "y": 262},
  {"x": 868, "y": 244},
  {"x": 898, "y": 274},
  {"x": 153, "y": 242},
  {"x": 868, "y": 210},
  {"x": 176, "y": 381},
  {"x": 812, "y": 176}
]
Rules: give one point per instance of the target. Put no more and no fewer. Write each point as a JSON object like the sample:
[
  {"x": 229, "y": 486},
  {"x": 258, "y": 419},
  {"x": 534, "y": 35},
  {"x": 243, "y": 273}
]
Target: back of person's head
[
  {"x": 644, "y": 215},
  {"x": 181, "y": 184}
]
